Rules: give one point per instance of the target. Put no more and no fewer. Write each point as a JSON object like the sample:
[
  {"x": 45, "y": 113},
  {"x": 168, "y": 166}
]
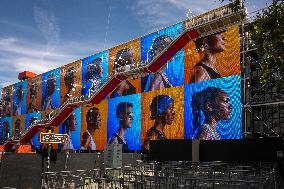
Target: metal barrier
[{"x": 168, "y": 175}]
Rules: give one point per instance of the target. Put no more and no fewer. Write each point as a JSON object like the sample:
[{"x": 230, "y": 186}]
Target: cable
[{"x": 108, "y": 21}]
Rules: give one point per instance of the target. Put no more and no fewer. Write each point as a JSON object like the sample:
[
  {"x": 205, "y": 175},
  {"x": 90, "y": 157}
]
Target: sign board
[{"x": 51, "y": 138}]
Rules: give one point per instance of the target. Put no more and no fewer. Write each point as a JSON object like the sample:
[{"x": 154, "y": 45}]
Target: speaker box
[
  {"x": 245, "y": 150},
  {"x": 171, "y": 150}
]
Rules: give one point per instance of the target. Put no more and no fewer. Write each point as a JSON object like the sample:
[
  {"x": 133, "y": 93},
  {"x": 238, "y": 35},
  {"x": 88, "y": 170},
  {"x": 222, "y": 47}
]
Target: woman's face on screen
[
  {"x": 168, "y": 115},
  {"x": 223, "y": 106},
  {"x": 94, "y": 121},
  {"x": 73, "y": 122},
  {"x": 217, "y": 43}
]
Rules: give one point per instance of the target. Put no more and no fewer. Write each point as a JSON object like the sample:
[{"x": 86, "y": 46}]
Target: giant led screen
[
  {"x": 213, "y": 56},
  {"x": 195, "y": 95},
  {"x": 162, "y": 115},
  {"x": 213, "y": 109},
  {"x": 6, "y": 129},
  {"x": 18, "y": 126}
]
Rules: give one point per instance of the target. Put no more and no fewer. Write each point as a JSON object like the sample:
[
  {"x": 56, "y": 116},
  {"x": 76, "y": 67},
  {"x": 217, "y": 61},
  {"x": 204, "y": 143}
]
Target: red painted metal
[
  {"x": 121, "y": 77},
  {"x": 8, "y": 145},
  {"x": 29, "y": 135},
  {"x": 62, "y": 115},
  {"x": 25, "y": 75},
  {"x": 25, "y": 139},
  {"x": 108, "y": 88},
  {"x": 178, "y": 44}
]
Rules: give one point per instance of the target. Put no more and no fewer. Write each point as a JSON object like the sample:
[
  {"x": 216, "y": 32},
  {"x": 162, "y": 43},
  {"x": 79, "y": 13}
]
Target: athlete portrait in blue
[
  {"x": 7, "y": 95},
  {"x": 94, "y": 71},
  {"x": 162, "y": 111},
  {"x": 6, "y": 129},
  {"x": 93, "y": 119},
  {"x": 72, "y": 127},
  {"x": 171, "y": 73},
  {"x": 213, "y": 109},
  {"x": 124, "y": 121},
  {"x": 125, "y": 115},
  {"x": 20, "y": 93},
  {"x": 51, "y": 90},
  {"x": 124, "y": 57},
  {"x": 30, "y": 118}
]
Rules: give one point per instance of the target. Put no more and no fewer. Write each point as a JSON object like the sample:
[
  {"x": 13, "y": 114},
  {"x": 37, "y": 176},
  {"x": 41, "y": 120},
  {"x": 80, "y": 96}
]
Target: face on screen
[
  {"x": 72, "y": 122},
  {"x": 217, "y": 43},
  {"x": 168, "y": 115},
  {"x": 223, "y": 106},
  {"x": 127, "y": 117},
  {"x": 7, "y": 105},
  {"x": 51, "y": 84},
  {"x": 69, "y": 78},
  {"x": 33, "y": 91},
  {"x": 94, "y": 69},
  {"x": 93, "y": 119},
  {"x": 19, "y": 93},
  {"x": 6, "y": 126}
]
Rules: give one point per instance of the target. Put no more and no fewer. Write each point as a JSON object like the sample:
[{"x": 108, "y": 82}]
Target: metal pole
[
  {"x": 244, "y": 77},
  {"x": 48, "y": 157},
  {"x": 242, "y": 3},
  {"x": 66, "y": 160}
]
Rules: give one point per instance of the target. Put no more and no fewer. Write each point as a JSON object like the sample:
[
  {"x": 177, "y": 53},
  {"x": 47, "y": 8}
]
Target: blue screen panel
[
  {"x": 214, "y": 104},
  {"x": 19, "y": 98},
  {"x": 94, "y": 70},
  {"x": 172, "y": 74},
  {"x": 73, "y": 122},
  {"x": 6, "y": 124},
  {"x": 29, "y": 119},
  {"x": 133, "y": 132},
  {"x": 51, "y": 90}
]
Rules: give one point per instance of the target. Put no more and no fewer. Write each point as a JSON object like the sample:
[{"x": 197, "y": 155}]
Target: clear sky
[{"x": 40, "y": 35}]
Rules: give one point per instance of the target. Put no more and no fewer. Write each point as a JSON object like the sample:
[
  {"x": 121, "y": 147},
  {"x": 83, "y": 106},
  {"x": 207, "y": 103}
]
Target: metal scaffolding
[{"x": 263, "y": 105}]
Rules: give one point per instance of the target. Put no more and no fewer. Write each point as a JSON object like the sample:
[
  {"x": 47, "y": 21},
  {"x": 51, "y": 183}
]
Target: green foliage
[
  {"x": 235, "y": 5},
  {"x": 268, "y": 36}
]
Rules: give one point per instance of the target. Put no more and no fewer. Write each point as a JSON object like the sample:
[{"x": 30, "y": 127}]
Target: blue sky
[{"x": 40, "y": 35}]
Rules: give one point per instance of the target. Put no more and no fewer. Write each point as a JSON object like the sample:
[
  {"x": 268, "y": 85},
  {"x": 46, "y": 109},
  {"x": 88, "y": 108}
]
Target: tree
[
  {"x": 236, "y": 4},
  {"x": 268, "y": 35}
]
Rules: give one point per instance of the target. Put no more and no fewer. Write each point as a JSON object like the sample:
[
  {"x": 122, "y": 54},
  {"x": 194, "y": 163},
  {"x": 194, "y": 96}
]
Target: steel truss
[{"x": 263, "y": 105}]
